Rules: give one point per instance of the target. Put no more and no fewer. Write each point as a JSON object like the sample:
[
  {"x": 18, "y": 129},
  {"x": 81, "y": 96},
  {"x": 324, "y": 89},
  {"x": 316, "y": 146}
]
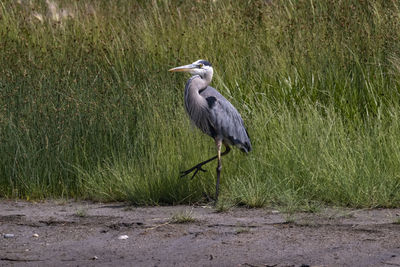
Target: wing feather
[{"x": 225, "y": 121}]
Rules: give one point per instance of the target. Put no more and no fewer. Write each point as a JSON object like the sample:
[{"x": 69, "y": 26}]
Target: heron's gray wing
[{"x": 225, "y": 121}]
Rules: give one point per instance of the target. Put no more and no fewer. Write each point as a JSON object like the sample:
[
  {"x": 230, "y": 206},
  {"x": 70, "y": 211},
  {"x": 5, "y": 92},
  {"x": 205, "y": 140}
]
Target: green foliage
[
  {"x": 183, "y": 217},
  {"x": 88, "y": 109}
]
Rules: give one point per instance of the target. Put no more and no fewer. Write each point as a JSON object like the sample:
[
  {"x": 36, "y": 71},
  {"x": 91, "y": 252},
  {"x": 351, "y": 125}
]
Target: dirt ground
[{"x": 82, "y": 233}]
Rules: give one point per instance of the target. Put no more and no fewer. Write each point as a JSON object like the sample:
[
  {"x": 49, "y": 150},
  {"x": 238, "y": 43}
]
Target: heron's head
[{"x": 200, "y": 67}]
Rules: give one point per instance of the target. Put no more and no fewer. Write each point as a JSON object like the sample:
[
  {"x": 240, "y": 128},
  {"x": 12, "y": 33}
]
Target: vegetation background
[{"x": 88, "y": 109}]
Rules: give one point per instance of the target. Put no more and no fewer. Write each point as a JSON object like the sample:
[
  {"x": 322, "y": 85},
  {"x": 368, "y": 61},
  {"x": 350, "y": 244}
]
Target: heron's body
[{"x": 213, "y": 114}]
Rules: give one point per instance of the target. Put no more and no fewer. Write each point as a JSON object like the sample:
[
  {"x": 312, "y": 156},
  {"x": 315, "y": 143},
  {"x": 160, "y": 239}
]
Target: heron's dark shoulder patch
[{"x": 211, "y": 101}]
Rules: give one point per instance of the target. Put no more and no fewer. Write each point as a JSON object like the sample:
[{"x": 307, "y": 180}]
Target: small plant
[
  {"x": 128, "y": 208},
  {"x": 242, "y": 230},
  {"x": 290, "y": 218},
  {"x": 396, "y": 221},
  {"x": 81, "y": 213},
  {"x": 183, "y": 217},
  {"x": 223, "y": 206}
]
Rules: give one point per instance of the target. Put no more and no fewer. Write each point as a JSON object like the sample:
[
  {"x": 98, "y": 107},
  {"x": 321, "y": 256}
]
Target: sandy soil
[{"x": 82, "y": 233}]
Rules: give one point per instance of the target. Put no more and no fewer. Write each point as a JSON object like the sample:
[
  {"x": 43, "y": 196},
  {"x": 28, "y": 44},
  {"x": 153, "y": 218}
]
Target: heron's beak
[{"x": 183, "y": 68}]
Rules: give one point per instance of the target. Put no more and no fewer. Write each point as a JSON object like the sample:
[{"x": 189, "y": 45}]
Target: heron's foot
[{"x": 196, "y": 169}]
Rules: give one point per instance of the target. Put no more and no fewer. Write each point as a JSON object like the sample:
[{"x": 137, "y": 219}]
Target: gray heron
[{"x": 213, "y": 114}]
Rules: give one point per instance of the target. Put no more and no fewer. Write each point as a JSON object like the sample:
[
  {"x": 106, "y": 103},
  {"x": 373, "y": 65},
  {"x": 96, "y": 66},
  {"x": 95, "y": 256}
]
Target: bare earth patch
[{"x": 83, "y": 233}]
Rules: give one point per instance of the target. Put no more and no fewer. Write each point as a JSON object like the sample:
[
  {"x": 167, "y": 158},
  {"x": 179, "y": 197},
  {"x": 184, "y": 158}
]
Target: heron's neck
[
  {"x": 194, "y": 102},
  {"x": 201, "y": 82},
  {"x": 196, "y": 84},
  {"x": 207, "y": 78}
]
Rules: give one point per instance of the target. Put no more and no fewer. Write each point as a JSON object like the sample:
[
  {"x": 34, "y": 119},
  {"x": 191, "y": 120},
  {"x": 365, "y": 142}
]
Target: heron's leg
[
  {"x": 219, "y": 168},
  {"x": 198, "y": 167}
]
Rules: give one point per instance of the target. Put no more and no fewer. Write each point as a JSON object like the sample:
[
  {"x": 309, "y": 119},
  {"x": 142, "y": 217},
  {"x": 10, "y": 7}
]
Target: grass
[
  {"x": 182, "y": 217},
  {"x": 88, "y": 109},
  {"x": 242, "y": 230},
  {"x": 81, "y": 213},
  {"x": 224, "y": 205}
]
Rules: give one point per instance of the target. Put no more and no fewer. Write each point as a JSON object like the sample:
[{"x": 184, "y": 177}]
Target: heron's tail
[{"x": 246, "y": 147}]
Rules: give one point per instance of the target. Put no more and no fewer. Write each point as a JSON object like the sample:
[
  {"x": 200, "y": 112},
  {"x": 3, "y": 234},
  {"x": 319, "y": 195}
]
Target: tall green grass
[{"x": 88, "y": 109}]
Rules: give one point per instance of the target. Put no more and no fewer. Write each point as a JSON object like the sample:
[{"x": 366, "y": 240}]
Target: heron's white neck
[
  {"x": 207, "y": 77},
  {"x": 205, "y": 74},
  {"x": 200, "y": 82}
]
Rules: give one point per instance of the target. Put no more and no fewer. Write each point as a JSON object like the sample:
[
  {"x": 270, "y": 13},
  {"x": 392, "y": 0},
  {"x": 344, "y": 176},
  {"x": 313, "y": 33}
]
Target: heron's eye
[{"x": 201, "y": 65}]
